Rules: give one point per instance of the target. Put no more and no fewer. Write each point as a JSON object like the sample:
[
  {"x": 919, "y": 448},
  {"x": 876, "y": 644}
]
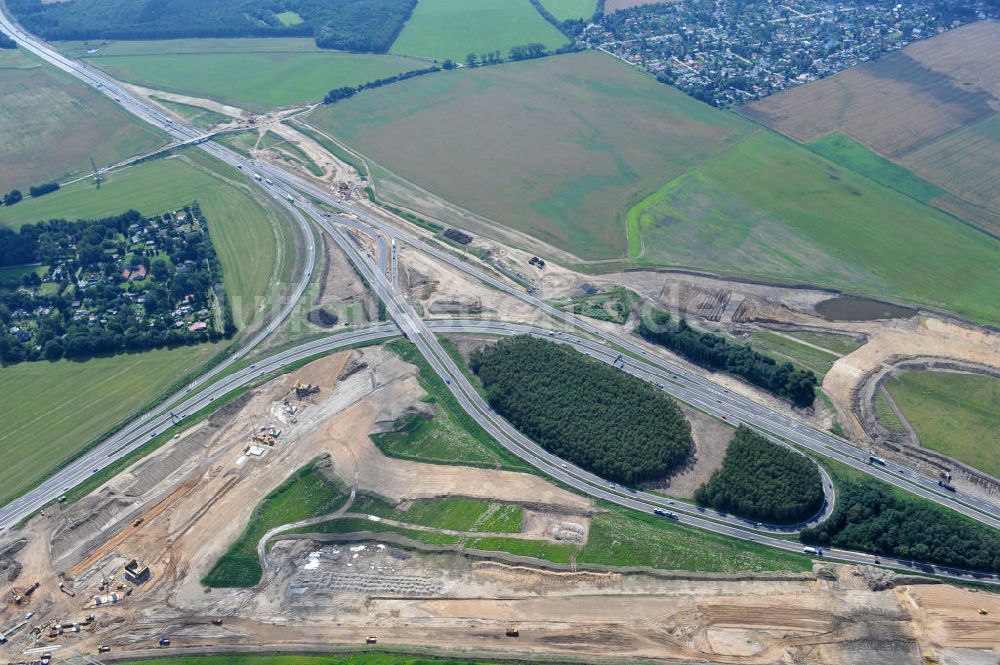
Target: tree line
[
  {"x": 571, "y": 27},
  {"x": 344, "y": 92},
  {"x": 760, "y": 480},
  {"x": 582, "y": 410},
  {"x": 716, "y": 352},
  {"x": 350, "y": 25},
  {"x": 15, "y": 196},
  {"x": 872, "y": 518}
]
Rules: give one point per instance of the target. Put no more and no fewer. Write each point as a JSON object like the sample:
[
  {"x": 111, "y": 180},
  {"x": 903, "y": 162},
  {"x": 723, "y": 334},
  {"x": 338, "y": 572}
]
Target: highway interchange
[{"x": 288, "y": 188}]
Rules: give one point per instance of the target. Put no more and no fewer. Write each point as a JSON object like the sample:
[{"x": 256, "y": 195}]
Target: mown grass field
[
  {"x": 255, "y": 74},
  {"x": 570, "y": 9},
  {"x": 770, "y": 209},
  {"x": 442, "y": 29},
  {"x": 239, "y": 226},
  {"x": 50, "y": 125},
  {"x": 955, "y": 414},
  {"x": 558, "y": 148},
  {"x": 52, "y": 410},
  {"x": 886, "y": 416},
  {"x": 309, "y": 492}
]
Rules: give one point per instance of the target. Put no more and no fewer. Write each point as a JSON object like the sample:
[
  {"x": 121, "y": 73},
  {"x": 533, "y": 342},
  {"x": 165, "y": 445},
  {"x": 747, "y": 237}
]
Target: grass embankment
[
  {"x": 254, "y": 74},
  {"x": 287, "y": 659},
  {"x": 454, "y": 28},
  {"x": 619, "y": 537},
  {"x": 770, "y": 209},
  {"x": 51, "y": 124},
  {"x": 584, "y": 137},
  {"x": 833, "y": 342},
  {"x": 199, "y": 117},
  {"x": 800, "y": 355},
  {"x": 955, "y": 414},
  {"x": 451, "y": 436},
  {"x": 450, "y": 514},
  {"x": 885, "y": 414},
  {"x": 53, "y": 410},
  {"x": 309, "y": 492},
  {"x": 614, "y": 306}
]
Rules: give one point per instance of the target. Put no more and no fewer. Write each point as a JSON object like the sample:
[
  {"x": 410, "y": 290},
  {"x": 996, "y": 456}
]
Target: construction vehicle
[
  {"x": 16, "y": 596},
  {"x": 217, "y": 622},
  {"x": 304, "y": 389},
  {"x": 31, "y": 589},
  {"x": 371, "y": 639},
  {"x": 512, "y": 631},
  {"x": 983, "y": 611},
  {"x": 947, "y": 486},
  {"x": 264, "y": 437},
  {"x": 164, "y": 642},
  {"x": 875, "y": 459},
  {"x": 46, "y": 657},
  {"x": 137, "y": 521},
  {"x": 104, "y": 648}
]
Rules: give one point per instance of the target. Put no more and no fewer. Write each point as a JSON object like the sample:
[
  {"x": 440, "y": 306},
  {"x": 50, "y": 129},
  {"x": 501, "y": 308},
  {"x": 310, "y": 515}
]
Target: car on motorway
[{"x": 95, "y": 470}]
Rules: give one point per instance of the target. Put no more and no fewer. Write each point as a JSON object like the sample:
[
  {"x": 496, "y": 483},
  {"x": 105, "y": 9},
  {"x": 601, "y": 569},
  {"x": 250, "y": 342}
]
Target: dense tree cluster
[
  {"x": 43, "y": 189},
  {"x": 869, "y": 518},
  {"x": 121, "y": 283},
  {"x": 12, "y": 197},
  {"x": 6, "y": 42},
  {"x": 760, "y": 480},
  {"x": 716, "y": 352},
  {"x": 344, "y": 92},
  {"x": 351, "y": 25},
  {"x": 599, "y": 418}
]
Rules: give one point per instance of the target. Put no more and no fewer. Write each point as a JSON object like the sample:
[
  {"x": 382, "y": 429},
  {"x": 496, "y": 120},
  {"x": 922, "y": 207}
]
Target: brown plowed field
[{"x": 901, "y": 101}]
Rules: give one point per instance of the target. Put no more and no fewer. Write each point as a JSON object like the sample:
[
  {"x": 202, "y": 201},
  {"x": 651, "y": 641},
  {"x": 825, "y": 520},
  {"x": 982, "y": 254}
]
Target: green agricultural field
[
  {"x": 50, "y": 125},
  {"x": 770, "y": 209},
  {"x": 565, "y": 10},
  {"x": 454, "y": 28},
  {"x": 53, "y": 410},
  {"x": 850, "y": 154},
  {"x": 800, "y": 355},
  {"x": 558, "y": 148},
  {"x": 955, "y": 414},
  {"x": 239, "y": 226},
  {"x": 254, "y": 74},
  {"x": 309, "y": 492}
]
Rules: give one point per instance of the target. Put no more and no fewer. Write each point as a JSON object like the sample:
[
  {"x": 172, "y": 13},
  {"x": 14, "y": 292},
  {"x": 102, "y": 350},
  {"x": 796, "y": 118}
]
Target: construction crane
[{"x": 97, "y": 174}]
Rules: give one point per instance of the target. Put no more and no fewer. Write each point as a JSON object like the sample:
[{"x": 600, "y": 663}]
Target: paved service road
[{"x": 699, "y": 391}]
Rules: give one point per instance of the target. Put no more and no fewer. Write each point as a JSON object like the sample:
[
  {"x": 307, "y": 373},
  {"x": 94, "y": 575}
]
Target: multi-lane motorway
[{"x": 287, "y": 188}]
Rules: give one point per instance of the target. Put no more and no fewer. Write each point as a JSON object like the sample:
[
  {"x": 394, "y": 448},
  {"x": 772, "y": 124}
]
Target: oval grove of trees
[
  {"x": 760, "y": 480},
  {"x": 597, "y": 417}
]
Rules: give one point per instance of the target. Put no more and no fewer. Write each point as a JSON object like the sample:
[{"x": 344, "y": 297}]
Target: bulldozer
[{"x": 303, "y": 390}]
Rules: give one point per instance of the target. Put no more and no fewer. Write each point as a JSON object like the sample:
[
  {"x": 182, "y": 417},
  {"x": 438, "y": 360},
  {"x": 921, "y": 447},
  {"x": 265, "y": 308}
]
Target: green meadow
[
  {"x": 442, "y": 29},
  {"x": 565, "y": 10}
]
